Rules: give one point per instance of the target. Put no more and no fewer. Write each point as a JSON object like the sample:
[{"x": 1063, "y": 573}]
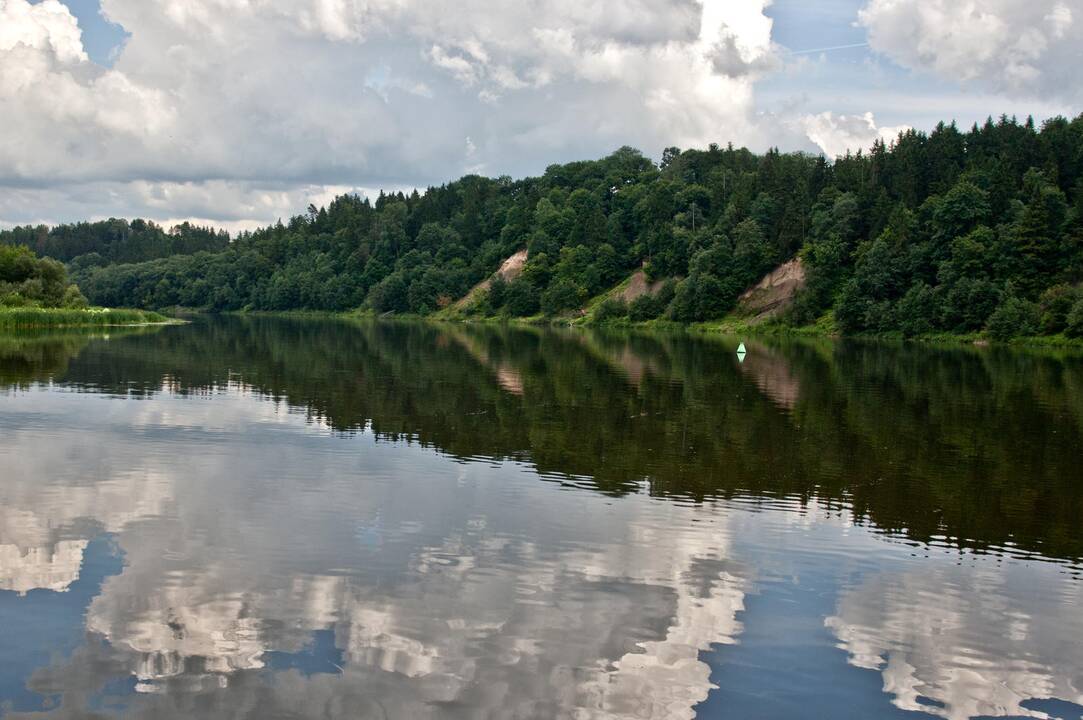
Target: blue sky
[
  {"x": 240, "y": 113},
  {"x": 100, "y": 37}
]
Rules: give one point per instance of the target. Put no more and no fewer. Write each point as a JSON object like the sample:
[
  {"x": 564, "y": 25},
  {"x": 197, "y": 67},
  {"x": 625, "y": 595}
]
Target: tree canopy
[
  {"x": 29, "y": 281},
  {"x": 949, "y": 230}
]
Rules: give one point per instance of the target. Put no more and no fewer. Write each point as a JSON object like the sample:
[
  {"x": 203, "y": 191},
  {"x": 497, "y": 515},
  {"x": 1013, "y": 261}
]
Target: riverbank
[
  {"x": 26, "y": 318},
  {"x": 824, "y": 328}
]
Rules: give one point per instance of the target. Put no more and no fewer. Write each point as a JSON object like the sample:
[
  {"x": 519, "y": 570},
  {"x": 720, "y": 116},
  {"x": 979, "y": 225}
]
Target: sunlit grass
[{"x": 65, "y": 317}]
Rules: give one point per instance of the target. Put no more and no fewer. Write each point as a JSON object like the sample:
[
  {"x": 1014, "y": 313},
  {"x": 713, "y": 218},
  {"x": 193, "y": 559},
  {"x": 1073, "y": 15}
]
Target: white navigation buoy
[{"x": 741, "y": 353}]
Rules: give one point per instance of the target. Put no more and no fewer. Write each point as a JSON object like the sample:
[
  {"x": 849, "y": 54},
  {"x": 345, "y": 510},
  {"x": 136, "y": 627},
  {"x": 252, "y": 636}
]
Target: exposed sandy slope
[
  {"x": 638, "y": 285},
  {"x": 509, "y": 270},
  {"x": 774, "y": 294}
]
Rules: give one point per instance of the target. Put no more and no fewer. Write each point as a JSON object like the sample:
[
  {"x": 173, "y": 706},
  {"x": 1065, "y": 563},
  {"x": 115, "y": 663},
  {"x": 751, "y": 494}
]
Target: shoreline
[
  {"x": 717, "y": 327},
  {"x": 15, "y": 319}
]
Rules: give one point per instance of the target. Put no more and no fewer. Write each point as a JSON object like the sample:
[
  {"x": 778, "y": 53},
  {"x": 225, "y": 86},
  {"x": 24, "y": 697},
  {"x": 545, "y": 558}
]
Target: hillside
[
  {"x": 947, "y": 231},
  {"x": 775, "y": 294}
]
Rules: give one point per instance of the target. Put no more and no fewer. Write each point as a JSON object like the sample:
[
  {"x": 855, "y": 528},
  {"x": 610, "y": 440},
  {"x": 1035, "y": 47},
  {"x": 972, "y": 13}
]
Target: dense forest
[
  {"x": 107, "y": 242},
  {"x": 947, "y": 231}
]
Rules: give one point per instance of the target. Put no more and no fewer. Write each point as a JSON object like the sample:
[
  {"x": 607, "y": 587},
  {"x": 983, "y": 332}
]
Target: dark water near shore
[{"x": 260, "y": 518}]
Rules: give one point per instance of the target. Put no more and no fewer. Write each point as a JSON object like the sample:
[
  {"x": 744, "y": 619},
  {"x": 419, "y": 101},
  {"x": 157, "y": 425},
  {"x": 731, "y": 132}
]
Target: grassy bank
[
  {"x": 826, "y": 327},
  {"x": 14, "y": 318}
]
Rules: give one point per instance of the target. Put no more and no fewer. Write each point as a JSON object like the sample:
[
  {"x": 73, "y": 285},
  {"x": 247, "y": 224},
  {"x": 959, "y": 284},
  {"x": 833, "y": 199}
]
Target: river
[{"x": 274, "y": 518}]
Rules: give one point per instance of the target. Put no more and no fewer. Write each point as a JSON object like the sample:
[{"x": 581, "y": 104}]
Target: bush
[
  {"x": 1014, "y": 317},
  {"x": 666, "y": 294},
  {"x": 560, "y": 296},
  {"x": 967, "y": 304},
  {"x": 74, "y": 299},
  {"x": 648, "y": 306},
  {"x": 498, "y": 292},
  {"x": 521, "y": 298},
  {"x": 645, "y": 307},
  {"x": 15, "y": 300},
  {"x": 1074, "y": 322},
  {"x": 611, "y": 309},
  {"x": 916, "y": 310},
  {"x": 388, "y": 295},
  {"x": 26, "y": 280},
  {"x": 702, "y": 296},
  {"x": 1055, "y": 304}
]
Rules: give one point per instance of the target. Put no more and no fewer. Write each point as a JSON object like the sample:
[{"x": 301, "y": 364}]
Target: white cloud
[
  {"x": 45, "y": 26},
  {"x": 228, "y": 204},
  {"x": 236, "y": 93},
  {"x": 1027, "y": 48},
  {"x": 234, "y": 96},
  {"x": 835, "y": 135}
]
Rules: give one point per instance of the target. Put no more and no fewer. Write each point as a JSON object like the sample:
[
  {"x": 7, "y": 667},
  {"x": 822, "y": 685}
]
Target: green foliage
[
  {"x": 703, "y": 296},
  {"x": 1055, "y": 304},
  {"x": 522, "y": 299},
  {"x": 1015, "y": 317},
  {"x": 1073, "y": 326},
  {"x": 561, "y": 296},
  {"x": 645, "y": 307},
  {"x": 931, "y": 234},
  {"x": 36, "y": 317},
  {"x": 611, "y": 309},
  {"x": 115, "y": 241},
  {"x": 498, "y": 292},
  {"x": 29, "y": 281},
  {"x": 916, "y": 312}
]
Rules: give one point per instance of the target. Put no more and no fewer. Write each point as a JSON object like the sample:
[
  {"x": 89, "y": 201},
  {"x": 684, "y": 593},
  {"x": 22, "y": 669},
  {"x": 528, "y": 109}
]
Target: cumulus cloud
[
  {"x": 47, "y": 25},
  {"x": 1028, "y": 48},
  {"x": 836, "y": 135},
  {"x": 334, "y": 93}
]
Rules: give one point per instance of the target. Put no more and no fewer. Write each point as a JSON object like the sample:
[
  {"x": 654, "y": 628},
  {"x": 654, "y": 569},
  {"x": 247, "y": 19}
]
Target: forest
[{"x": 948, "y": 231}]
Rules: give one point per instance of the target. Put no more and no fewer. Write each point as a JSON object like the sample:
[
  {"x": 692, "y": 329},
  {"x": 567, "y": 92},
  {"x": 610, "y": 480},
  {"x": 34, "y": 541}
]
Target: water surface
[{"x": 257, "y": 518}]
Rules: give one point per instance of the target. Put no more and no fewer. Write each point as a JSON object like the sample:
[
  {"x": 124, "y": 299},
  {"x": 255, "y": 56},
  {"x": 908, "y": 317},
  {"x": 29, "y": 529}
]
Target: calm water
[{"x": 251, "y": 518}]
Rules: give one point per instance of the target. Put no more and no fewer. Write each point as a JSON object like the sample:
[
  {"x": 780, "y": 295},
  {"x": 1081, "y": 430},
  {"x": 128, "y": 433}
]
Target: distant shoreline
[{"x": 728, "y": 326}]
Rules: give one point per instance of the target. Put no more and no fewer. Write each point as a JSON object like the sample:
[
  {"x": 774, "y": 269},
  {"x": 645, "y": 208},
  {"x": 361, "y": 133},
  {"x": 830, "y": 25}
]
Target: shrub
[
  {"x": 611, "y": 309},
  {"x": 645, "y": 307},
  {"x": 1074, "y": 322},
  {"x": 916, "y": 310},
  {"x": 27, "y": 280},
  {"x": 1055, "y": 304},
  {"x": 1014, "y": 317},
  {"x": 498, "y": 292},
  {"x": 521, "y": 298},
  {"x": 15, "y": 300},
  {"x": 74, "y": 299},
  {"x": 560, "y": 296},
  {"x": 389, "y": 295}
]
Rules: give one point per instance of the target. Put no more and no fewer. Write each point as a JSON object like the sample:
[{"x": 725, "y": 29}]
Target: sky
[{"x": 236, "y": 113}]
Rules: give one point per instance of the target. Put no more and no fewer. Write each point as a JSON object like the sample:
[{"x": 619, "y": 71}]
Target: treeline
[
  {"x": 27, "y": 281},
  {"x": 92, "y": 244},
  {"x": 953, "y": 231}
]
